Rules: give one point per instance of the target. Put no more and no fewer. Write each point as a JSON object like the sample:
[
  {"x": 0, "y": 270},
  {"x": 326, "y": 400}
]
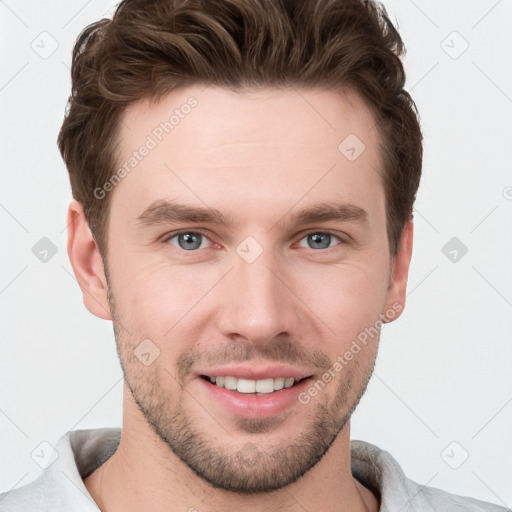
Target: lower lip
[{"x": 250, "y": 405}]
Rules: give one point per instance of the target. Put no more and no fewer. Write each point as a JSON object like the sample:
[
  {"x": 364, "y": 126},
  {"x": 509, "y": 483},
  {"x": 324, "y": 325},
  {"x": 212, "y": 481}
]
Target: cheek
[
  {"x": 154, "y": 299},
  {"x": 346, "y": 298}
]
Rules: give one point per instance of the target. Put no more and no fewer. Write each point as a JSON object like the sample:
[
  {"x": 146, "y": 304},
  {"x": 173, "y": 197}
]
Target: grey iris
[
  {"x": 191, "y": 241},
  {"x": 320, "y": 240}
]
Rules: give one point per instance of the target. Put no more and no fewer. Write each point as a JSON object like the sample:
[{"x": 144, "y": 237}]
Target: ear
[
  {"x": 87, "y": 263},
  {"x": 396, "y": 294}
]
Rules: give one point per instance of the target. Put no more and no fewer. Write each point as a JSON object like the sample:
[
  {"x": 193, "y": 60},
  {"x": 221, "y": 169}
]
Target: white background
[{"x": 444, "y": 369}]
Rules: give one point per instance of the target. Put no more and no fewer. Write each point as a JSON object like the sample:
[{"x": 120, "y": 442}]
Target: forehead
[
  {"x": 218, "y": 115},
  {"x": 272, "y": 146}
]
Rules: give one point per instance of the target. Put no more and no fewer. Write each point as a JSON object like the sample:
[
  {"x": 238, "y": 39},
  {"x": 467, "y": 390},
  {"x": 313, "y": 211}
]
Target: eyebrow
[{"x": 165, "y": 212}]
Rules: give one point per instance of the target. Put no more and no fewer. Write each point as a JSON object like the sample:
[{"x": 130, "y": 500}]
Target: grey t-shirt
[{"x": 60, "y": 487}]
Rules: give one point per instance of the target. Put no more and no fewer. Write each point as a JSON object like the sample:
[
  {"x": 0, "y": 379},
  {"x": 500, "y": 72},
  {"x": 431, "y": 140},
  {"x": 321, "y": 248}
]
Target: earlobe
[
  {"x": 397, "y": 290},
  {"x": 87, "y": 263}
]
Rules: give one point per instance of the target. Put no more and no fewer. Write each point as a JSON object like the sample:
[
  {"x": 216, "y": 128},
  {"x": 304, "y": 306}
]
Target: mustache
[{"x": 285, "y": 351}]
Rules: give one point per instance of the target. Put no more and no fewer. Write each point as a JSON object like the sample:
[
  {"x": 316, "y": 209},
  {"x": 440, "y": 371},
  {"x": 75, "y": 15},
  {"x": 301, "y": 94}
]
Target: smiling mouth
[{"x": 249, "y": 386}]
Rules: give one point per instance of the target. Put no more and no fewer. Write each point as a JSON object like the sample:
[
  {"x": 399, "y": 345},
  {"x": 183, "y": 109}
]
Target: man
[{"x": 244, "y": 173}]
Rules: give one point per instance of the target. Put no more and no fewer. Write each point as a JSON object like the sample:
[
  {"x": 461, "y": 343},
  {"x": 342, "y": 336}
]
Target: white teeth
[
  {"x": 246, "y": 386},
  {"x": 263, "y": 386},
  {"x": 288, "y": 383},
  {"x": 279, "y": 383},
  {"x": 230, "y": 382}
]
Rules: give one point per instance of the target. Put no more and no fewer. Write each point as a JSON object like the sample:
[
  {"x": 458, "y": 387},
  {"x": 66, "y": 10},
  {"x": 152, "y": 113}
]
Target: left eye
[
  {"x": 189, "y": 240},
  {"x": 320, "y": 240}
]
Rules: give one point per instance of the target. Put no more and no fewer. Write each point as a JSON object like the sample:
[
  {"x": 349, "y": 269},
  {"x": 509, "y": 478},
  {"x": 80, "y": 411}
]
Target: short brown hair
[{"x": 152, "y": 47}]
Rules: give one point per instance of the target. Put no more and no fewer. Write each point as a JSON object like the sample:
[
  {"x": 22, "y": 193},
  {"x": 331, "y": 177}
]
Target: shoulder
[
  {"x": 60, "y": 486},
  {"x": 26, "y": 498},
  {"x": 380, "y": 472}
]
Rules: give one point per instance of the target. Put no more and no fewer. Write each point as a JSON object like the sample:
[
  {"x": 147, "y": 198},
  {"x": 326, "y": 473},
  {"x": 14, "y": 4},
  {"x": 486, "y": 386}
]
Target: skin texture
[{"x": 259, "y": 158}]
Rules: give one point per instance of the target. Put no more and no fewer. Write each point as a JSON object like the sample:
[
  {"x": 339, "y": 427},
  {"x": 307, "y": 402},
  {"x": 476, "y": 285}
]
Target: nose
[{"x": 257, "y": 306}]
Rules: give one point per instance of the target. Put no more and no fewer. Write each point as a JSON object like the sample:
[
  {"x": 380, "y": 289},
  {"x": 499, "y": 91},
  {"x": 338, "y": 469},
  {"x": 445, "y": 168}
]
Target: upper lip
[{"x": 252, "y": 372}]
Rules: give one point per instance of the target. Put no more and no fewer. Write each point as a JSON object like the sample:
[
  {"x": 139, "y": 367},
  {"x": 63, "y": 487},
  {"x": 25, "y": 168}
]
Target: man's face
[{"x": 268, "y": 295}]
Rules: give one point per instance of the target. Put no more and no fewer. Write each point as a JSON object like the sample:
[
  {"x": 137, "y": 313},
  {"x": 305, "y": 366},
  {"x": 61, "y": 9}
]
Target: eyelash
[{"x": 175, "y": 234}]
